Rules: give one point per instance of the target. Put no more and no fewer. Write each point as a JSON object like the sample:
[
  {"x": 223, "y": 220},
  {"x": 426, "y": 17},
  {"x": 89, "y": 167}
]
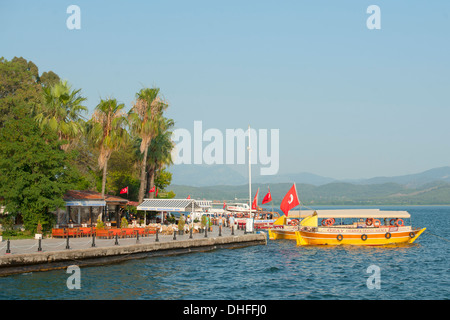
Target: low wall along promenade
[{"x": 57, "y": 253}]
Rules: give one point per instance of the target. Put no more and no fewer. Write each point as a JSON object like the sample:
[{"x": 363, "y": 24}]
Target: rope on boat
[{"x": 445, "y": 239}]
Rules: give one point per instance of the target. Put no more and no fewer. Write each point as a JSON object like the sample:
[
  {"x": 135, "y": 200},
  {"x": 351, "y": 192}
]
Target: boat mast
[{"x": 249, "y": 173}]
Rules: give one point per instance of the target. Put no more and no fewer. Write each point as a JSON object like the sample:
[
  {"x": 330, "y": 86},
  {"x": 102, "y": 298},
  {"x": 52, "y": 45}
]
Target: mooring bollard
[
  {"x": 67, "y": 243},
  {"x": 156, "y": 239},
  {"x": 206, "y": 232},
  {"x": 93, "y": 240},
  {"x": 39, "y": 245},
  {"x": 137, "y": 236},
  {"x": 232, "y": 230},
  {"x": 8, "y": 248},
  {"x": 220, "y": 230},
  {"x": 117, "y": 240},
  {"x": 190, "y": 233},
  {"x": 174, "y": 235}
]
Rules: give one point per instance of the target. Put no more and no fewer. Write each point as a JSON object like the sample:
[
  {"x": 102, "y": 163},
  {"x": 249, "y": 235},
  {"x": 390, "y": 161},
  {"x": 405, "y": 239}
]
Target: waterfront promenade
[{"x": 25, "y": 255}]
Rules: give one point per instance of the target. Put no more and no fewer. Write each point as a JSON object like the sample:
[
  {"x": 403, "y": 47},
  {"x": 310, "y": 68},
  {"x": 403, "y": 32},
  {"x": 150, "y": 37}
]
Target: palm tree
[
  {"x": 144, "y": 120},
  {"x": 107, "y": 132},
  {"x": 61, "y": 112},
  {"x": 160, "y": 151}
]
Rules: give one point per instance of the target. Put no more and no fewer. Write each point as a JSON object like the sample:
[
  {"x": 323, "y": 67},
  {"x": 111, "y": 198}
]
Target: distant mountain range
[
  {"x": 214, "y": 175},
  {"x": 225, "y": 184},
  {"x": 411, "y": 180}
]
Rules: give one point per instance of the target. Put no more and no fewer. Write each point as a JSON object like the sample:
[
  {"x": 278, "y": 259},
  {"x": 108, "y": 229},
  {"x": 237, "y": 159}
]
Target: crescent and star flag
[
  {"x": 267, "y": 198},
  {"x": 255, "y": 201},
  {"x": 224, "y": 205},
  {"x": 124, "y": 190},
  {"x": 290, "y": 200},
  {"x": 152, "y": 189},
  {"x": 188, "y": 197}
]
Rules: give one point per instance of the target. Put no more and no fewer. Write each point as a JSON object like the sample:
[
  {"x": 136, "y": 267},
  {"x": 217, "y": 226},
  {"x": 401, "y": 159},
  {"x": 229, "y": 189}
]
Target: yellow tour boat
[{"x": 363, "y": 227}]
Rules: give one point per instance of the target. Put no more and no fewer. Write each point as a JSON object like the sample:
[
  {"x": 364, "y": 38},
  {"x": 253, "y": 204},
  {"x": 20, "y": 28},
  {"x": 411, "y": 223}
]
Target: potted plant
[
  {"x": 210, "y": 224},
  {"x": 38, "y": 234},
  {"x": 181, "y": 224},
  {"x": 124, "y": 223},
  {"x": 203, "y": 222},
  {"x": 100, "y": 225}
]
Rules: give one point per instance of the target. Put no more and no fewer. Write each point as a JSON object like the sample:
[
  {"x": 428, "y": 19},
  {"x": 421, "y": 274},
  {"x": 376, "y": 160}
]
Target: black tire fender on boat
[
  {"x": 364, "y": 237},
  {"x": 387, "y": 235},
  {"x": 412, "y": 234},
  {"x": 340, "y": 237}
]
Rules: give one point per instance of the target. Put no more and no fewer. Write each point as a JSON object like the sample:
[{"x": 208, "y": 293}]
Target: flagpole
[
  {"x": 250, "y": 178},
  {"x": 249, "y": 173},
  {"x": 271, "y": 201}
]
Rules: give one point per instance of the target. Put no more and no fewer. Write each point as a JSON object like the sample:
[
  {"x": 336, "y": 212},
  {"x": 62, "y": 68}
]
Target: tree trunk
[
  {"x": 104, "y": 179},
  {"x": 143, "y": 176},
  {"x": 152, "y": 182}
]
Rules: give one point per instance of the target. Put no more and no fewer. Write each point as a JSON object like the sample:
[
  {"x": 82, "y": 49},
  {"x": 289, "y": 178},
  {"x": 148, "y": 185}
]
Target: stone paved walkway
[{"x": 59, "y": 244}]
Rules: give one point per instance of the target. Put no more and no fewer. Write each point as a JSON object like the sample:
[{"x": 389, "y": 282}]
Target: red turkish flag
[
  {"x": 124, "y": 190},
  {"x": 290, "y": 200},
  {"x": 255, "y": 201},
  {"x": 267, "y": 198},
  {"x": 188, "y": 197},
  {"x": 152, "y": 189},
  {"x": 224, "y": 205}
]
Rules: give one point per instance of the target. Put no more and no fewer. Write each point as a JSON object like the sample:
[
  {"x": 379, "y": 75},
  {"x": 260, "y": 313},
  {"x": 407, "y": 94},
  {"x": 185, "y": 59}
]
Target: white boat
[{"x": 239, "y": 207}]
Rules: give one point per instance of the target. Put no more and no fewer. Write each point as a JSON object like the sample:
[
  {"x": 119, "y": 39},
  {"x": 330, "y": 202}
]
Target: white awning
[
  {"x": 349, "y": 213},
  {"x": 183, "y": 205}
]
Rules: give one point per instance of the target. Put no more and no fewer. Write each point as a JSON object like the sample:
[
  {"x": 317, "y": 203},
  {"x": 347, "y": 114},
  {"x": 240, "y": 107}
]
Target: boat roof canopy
[{"x": 349, "y": 213}]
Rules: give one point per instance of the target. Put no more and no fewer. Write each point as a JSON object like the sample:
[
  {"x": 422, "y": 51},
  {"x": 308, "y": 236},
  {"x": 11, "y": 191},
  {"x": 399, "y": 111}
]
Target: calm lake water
[{"x": 280, "y": 270}]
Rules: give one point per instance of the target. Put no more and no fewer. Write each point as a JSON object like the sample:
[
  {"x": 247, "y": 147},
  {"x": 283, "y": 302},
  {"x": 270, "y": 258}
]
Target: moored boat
[
  {"x": 262, "y": 220},
  {"x": 366, "y": 227},
  {"x": 284, "y": 228}
]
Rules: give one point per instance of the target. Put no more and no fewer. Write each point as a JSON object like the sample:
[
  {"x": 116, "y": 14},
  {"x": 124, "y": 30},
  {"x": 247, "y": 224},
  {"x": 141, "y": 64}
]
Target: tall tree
[
  {"x": 160, "y": 151},
  {"x": 107, "y": 131},
  {"x": 144, "y": 120},
  {"x": 61, "y": 112},
  {"x": 48, "y": 79},
  {"x": 123, "y": 171},
  {"x": 19, "y": 87},
  {"x": 34, "y": 172}
]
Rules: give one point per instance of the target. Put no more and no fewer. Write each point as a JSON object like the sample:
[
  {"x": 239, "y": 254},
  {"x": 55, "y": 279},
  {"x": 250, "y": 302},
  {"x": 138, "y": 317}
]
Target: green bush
[
  {"x": 181, "y": 224},
  {"x": 100, "y": 225},
  {"x": 171, "y": 219},
  {"x": 124, "y": 223},
  {"x": 204, "y": 221}
]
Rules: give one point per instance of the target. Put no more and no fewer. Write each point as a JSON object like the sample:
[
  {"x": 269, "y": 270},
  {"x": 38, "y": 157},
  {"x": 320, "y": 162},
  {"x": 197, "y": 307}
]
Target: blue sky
[{"x": 349, "y": 102}]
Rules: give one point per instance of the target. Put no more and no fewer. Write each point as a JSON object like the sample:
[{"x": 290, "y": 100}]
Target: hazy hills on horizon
[
  {"x": 431, "y": 187},
  {"x": 216, "y": 175}
]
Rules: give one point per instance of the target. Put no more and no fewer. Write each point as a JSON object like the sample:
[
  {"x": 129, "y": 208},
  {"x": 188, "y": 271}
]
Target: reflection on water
[{"x": 280, "y": 270}]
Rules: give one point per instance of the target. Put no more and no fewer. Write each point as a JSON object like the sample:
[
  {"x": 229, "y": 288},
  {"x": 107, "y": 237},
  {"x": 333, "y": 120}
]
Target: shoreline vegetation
[{"x": 49, "y": 144}]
